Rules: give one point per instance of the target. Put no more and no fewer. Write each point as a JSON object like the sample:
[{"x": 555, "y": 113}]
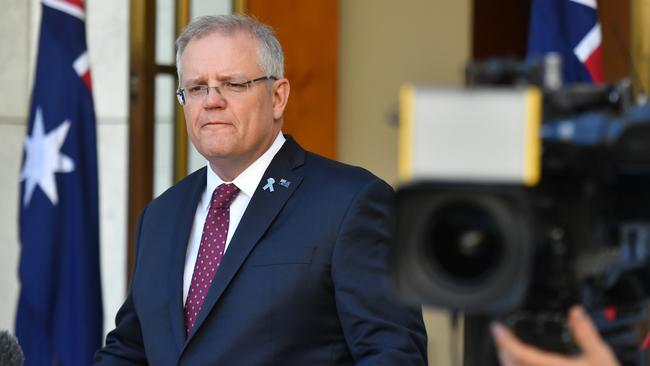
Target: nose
[{"x": 214, "y": 98}]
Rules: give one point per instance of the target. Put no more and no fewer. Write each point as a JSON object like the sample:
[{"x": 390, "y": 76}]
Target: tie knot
[{"x": 223, "y": 195}]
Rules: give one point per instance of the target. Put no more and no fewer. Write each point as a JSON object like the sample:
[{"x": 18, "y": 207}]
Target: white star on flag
[{"x": 44, "y": 158}]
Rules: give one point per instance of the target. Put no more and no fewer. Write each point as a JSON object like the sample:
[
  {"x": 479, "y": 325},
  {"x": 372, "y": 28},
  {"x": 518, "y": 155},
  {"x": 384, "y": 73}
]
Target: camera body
[{"x": 517, "y": 203}]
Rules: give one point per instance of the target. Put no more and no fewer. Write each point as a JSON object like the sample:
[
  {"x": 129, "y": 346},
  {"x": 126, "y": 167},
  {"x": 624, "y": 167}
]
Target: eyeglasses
[{"x": 229, "y": 88}]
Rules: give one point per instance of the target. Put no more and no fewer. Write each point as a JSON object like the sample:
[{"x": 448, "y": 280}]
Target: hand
[{"x": 595, "y": 352}]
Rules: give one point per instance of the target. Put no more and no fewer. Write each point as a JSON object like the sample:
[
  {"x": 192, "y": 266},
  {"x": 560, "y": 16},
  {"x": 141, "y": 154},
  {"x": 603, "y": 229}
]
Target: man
[
  {"x": 595, "y": 352},
  {"x": 285, "y": 263}
]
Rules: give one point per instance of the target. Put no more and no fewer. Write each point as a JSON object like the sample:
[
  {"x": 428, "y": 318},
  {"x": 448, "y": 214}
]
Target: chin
[
  {"x": 215, "y": 154},
  {"x": 215, "y": 145}
]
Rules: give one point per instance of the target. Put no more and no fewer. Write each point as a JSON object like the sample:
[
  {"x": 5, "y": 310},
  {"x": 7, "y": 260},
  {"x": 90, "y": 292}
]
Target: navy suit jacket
[{"x": 303, "y": 281}]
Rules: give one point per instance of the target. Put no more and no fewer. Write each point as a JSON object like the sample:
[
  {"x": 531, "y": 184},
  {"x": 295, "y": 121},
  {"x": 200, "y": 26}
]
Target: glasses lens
[
  {"x": 230, "y": 88},
  {"x": 235, "y": 87},
  {"x": 196, "y": 91}
]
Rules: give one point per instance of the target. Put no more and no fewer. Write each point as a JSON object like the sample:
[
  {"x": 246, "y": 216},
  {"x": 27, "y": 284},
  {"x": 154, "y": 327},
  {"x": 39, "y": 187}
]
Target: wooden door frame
[{"x": 142, "y": 76}]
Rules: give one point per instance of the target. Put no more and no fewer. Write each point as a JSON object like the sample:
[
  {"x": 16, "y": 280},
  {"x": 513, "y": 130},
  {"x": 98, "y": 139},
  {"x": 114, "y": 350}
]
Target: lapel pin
[
  {"x": 269, "y": 184},
  {"x": 285, "y": 183}
]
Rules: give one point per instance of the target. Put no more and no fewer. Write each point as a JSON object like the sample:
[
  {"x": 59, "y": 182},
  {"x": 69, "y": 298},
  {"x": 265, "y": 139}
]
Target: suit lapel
[
  {"x": 260, "y": 213},
  {"x": 179, "y": 241}
]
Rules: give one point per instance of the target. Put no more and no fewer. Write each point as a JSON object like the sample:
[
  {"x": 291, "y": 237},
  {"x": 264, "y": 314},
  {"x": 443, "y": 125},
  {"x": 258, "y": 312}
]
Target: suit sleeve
[
  {"x": 124, "y": 345},
  {"x": 378, "y": 329}
]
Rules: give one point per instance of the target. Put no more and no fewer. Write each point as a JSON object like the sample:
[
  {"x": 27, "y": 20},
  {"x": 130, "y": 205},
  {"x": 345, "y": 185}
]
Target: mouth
[{"x": 215, "y": 124}]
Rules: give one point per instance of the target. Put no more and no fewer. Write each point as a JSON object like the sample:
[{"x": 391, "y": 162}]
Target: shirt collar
[{"x": 247, "y": 180}]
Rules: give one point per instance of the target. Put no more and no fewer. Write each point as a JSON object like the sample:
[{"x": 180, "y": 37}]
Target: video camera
[{"x": 520, "y": 198}]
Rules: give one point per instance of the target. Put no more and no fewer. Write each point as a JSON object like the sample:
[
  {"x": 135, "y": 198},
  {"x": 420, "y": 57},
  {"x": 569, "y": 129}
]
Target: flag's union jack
[{"x": 570, "y": 28}]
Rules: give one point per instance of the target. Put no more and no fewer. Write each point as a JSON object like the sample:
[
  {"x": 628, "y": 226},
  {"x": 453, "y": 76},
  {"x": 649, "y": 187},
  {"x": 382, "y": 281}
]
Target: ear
[{"x": 281, "y": 90}]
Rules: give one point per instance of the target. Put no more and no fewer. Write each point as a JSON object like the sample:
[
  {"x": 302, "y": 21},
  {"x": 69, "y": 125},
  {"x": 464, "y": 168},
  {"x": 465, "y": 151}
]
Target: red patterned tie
[{"x": 211, "y": 249}]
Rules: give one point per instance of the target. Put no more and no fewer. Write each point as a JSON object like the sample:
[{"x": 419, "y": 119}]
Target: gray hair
[{"x": 270, "y": 55}]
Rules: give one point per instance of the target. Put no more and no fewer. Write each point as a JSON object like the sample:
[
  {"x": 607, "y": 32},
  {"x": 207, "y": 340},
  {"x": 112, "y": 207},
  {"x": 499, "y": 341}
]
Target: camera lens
[{"x": 464, "y": 241}]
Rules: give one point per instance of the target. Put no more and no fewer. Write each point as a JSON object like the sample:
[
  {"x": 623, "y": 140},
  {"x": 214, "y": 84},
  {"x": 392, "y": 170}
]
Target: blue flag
[
  {"x": 571, "y": 29},
  {"x": 59, "y": 316}
]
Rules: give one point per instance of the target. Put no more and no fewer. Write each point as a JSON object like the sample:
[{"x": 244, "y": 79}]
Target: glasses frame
[{"x": 182, "y": 99}]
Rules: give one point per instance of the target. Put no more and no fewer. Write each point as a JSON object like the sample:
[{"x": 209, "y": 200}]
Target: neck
[{"x": 230, "y": 168}]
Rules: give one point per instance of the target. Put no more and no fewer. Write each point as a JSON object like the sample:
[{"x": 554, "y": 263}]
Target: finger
[
  {"x": 512, "y": 351},
  {"x": 584, "y": 331},
  {"x": 505, "y": 360}
]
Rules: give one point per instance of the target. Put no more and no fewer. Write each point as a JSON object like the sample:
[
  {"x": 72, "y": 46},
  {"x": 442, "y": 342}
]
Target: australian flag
[
  {"x": 59, "y": 316},
  {"x": 571, "y": 29}
]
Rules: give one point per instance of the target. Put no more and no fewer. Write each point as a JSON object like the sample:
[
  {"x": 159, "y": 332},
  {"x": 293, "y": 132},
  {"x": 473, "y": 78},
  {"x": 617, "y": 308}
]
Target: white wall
[
  {"x": 384, "y": 44},
  {"x": 107, "y": 33},
  {"x": 107, "y": 25},
  {"x": 14, "y": 40}
]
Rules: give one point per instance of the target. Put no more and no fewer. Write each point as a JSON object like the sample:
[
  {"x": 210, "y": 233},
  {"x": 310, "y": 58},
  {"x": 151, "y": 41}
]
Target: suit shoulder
[
  {"x": 184, "y": 188},
  {"x": 338, "y": 174}
]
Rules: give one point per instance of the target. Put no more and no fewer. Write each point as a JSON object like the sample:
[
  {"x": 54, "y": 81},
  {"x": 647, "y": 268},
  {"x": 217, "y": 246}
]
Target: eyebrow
[
  {"x": 195, "y": 81},
  {"x": 202, "y": 81},
  {"x": 231, "y": 77}
]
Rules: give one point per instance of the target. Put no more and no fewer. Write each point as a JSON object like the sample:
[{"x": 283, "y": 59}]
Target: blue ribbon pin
[{"x": 269, "y": 184}]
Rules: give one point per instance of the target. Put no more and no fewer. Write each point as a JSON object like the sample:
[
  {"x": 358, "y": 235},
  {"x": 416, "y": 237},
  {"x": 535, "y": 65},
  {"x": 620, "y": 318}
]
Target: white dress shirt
[{"x": 247, "y": 183}]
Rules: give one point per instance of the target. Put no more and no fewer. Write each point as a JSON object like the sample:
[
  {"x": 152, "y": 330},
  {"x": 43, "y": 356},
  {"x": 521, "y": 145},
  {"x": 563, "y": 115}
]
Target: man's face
[{"x": 230, "y": 132}]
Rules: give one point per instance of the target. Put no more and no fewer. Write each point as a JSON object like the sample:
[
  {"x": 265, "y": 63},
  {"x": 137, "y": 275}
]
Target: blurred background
[{"x": 345, "y": 59}]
